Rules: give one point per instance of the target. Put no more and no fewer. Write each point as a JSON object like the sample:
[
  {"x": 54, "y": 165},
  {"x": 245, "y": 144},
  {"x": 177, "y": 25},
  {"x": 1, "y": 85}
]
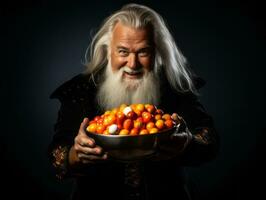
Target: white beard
[{"x": 115, "y": 90}]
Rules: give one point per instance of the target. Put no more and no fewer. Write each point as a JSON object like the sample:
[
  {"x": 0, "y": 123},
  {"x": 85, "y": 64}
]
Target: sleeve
[
  {"x": 204, "y": 145},
  {"x": 70, "y": 115},
  {"x": 76, "y": 98}
]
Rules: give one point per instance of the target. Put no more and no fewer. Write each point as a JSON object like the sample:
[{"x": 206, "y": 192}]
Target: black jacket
[{"x": 161, "y": 180}]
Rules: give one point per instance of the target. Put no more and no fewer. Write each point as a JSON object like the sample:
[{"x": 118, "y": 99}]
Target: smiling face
[
  {"x": 129, "y": 75},
  {"x": 132, "y": 51}
]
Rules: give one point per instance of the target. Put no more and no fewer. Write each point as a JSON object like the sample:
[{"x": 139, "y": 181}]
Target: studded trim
[
  {"x": 202, "y": 136},
  {"x": 60, "y": 156},
  {"x": 132, "y": 174}
]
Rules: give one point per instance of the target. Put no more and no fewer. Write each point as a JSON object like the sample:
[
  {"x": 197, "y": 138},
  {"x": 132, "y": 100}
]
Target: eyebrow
[
  {"x": 125, "y": 48},
  {"x": 122, "y": 47}
]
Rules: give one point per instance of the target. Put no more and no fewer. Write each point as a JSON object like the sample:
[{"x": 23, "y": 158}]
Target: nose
[{"x": 132, "y": 61}]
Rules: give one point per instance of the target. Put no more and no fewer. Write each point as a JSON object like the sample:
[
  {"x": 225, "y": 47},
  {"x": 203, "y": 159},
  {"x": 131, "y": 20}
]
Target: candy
[
  {"x": 112, "y": 129},
  {"x": 134, "y": 119},
  {"x": 127, "y": 110}
]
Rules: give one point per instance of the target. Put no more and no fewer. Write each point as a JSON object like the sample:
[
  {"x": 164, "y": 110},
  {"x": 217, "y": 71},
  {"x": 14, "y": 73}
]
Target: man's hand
[
  {"x": 176, "y": 144},
  {"x": 85, "y": 149}
]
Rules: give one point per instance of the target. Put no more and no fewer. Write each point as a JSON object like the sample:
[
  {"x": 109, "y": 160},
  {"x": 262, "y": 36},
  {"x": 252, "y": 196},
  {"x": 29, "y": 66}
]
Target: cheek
[
  {"x": 147, "y": 63},
  {"x": 116, "y": 63}
]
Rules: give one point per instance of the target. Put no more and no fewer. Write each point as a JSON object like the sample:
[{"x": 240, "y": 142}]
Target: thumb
[
  {"x": 178, "y": 135},
  {"x": 84, "y": 125}
]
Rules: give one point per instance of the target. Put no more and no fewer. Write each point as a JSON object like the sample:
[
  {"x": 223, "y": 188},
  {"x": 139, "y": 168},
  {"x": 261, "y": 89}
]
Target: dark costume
[{"x": 159, "y": 179}]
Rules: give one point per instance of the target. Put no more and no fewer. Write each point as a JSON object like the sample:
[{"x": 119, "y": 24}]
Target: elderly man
[{"x": 132, "y": 59}]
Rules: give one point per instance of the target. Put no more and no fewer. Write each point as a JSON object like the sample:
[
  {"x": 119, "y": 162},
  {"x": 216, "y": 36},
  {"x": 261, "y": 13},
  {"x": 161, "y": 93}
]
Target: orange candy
[
  {"x": 150, "y": 125},
  {"x": 128, "y": 124},
  {"x": 169, "y": 123},
  {"x": 134, "y": 119},
  {"x": 144, "y": 132},
  {"x": 166, "y": 116},
  {"x": 150, "y": 108},
  {"x": 140, "y": 107},
  {"x": 146, "y": 117},
  {"x": 153, "y": 130},
  {"x": 159, "y": 124},
  {"x": 124, "y": 132},
  {"x": 138, "y": 124},
  {"x": 100, "y": 129},
  {"x": 134, "y": 131},
  {"x": 92, "y": 127}
]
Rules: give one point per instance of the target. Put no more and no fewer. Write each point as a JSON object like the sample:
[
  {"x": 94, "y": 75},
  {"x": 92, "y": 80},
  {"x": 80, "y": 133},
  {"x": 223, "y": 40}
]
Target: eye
[
  {"x": 144, "y": 52},
  {"x": 123, "y": 52}
]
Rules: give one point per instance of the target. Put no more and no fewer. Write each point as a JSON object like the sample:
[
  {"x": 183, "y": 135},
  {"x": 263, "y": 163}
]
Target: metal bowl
[{"x": 131, "y": 148}]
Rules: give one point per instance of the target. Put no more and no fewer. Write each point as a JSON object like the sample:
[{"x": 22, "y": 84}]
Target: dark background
[{"x": 43, "y": 45}]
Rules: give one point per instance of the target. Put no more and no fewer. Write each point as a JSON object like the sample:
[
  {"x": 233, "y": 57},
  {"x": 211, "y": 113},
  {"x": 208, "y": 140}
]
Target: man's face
[{"x": 132, "y": 51}]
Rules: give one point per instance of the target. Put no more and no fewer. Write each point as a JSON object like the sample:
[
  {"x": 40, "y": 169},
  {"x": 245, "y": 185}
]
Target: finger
[
  {"x": 178, "y": 135},
  {"x": 175, "y": 117},
  {"x": 83, "y": 126},
  {"x": 84, "y": 142},
  {"x": 92, "y": 151},
  {"x": 87, "y": 142},
  {"x": 89, "y": 158},
  {"x": 85, "y": 146},
  {"x": 82, "y": 138},
  {"x": 182, "y": 126}
]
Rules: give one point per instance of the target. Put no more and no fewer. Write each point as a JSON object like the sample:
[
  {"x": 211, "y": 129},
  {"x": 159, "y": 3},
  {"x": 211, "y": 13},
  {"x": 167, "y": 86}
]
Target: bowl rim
[{"x": 123, "y": 136}]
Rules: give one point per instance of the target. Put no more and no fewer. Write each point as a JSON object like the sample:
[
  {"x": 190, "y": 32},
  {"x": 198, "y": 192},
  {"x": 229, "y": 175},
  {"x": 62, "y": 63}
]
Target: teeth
[{"x": 132, "y": 73}]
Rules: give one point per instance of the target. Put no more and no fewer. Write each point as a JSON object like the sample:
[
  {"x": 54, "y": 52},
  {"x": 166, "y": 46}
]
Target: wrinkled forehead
[{"x": 126, "y": 32}]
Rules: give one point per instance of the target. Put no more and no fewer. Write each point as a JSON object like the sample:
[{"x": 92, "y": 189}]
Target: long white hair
[{"x": 167, "y": 55}]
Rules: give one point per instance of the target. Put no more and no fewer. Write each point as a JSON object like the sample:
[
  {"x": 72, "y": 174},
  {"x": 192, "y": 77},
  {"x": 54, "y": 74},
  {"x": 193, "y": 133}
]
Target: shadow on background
[{"x": 44, "y": 45}]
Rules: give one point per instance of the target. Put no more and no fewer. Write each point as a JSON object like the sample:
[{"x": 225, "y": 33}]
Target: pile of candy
[{"x": 135, "y": 119}]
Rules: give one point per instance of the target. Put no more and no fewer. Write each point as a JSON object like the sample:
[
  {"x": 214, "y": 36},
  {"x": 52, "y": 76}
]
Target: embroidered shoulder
[
  {"x": 60, "y": 160},
  {"x": 202, "y": 136}
]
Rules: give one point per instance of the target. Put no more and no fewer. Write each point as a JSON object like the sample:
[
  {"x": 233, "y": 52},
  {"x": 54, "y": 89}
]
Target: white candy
[
  {"x": 112, "y": 129},
  {"x": 127, "y": 110}
]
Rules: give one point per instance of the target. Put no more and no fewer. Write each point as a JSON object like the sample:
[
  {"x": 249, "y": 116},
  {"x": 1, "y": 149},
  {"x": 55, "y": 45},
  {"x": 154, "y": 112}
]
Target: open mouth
[
  {"x": 133, "y": 74},
  {"x": 129, "y": 73}
]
